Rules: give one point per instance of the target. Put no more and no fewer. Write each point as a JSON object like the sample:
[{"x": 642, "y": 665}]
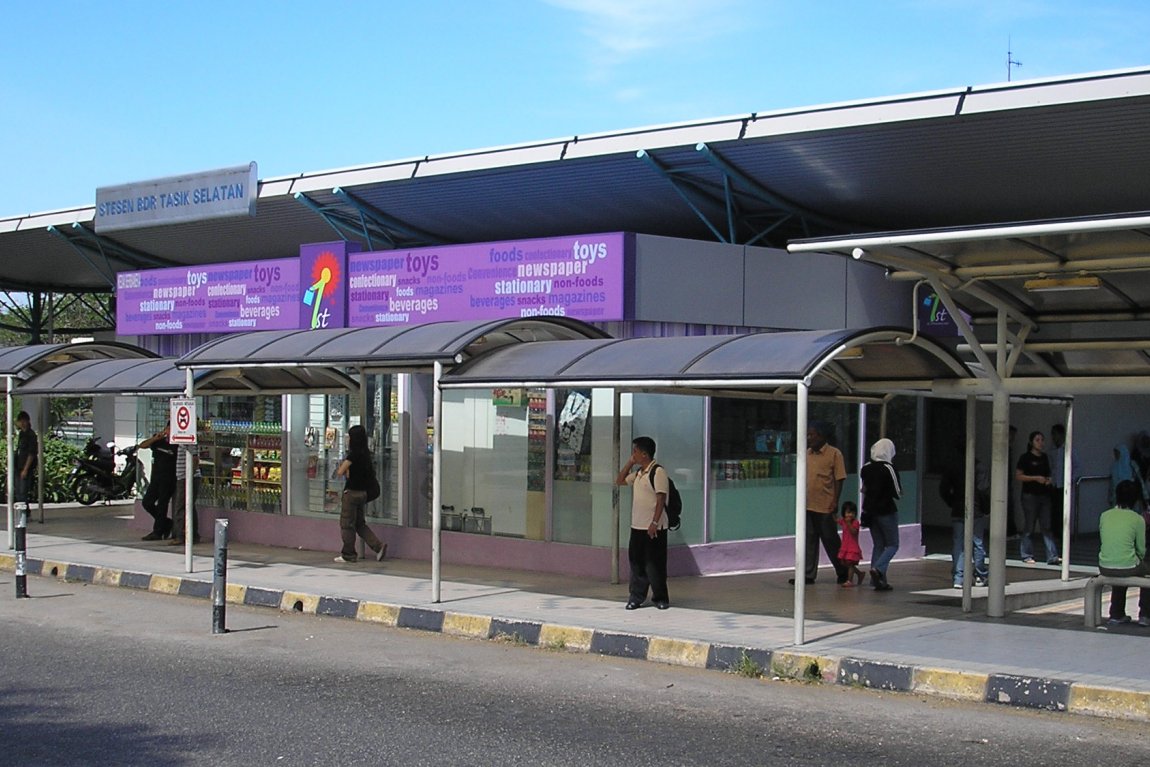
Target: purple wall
[
  {"x": 580, "y": 277},
  {"x": 217, "y": 298},
  {"x": 514, "y": 553}
]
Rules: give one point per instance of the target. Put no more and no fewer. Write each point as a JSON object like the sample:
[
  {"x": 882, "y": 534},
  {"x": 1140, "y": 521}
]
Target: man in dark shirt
[
  {"x": 162, "y": 484},
  {"x": 27, "y": 450}
]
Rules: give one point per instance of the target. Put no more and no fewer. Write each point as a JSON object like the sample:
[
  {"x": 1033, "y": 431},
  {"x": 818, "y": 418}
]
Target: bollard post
[
  {"x": 220, "y": 578},
  {"x": 21, "y": 553}
]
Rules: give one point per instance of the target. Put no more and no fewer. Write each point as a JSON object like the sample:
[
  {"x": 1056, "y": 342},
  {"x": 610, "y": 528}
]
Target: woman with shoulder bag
[
  {"x": 881, "y": 489},
  {"x": 359, "y": 469}
]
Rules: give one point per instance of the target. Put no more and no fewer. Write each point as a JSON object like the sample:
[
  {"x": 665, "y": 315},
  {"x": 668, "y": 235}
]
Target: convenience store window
[
  {"x": 319, "y": 424},
  {"x": 241, "y": 450},
  {"x": 495, "y": 452},
  {"x": 753, "y": 463}
]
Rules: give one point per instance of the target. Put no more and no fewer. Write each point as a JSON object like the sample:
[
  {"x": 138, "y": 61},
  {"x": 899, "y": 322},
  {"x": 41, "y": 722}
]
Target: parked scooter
[{"x": 94, "y": 477}]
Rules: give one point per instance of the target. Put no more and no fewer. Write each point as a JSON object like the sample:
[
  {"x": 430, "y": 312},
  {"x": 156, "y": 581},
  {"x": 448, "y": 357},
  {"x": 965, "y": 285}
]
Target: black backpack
[{"x": 673, "y": 507}]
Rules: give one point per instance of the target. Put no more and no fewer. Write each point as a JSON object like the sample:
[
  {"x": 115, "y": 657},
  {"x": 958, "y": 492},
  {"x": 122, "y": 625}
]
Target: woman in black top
[
  {"x": 881, "y": 490},
  {"x": 1033, "y": 471},
  {"x": 359, "y": 470}
]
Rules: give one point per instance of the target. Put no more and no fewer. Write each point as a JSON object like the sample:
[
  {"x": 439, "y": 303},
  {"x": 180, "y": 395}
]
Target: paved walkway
[{"x": 913, "y": 639}]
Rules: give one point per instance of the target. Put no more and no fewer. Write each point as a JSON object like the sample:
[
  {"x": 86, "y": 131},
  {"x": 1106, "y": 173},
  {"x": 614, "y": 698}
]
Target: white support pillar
[
  {"x": 999, "y": 472},
  {"x": 436, "y": 481},
  {"x": 11, "y": 467},
  {"x": 1067, "y": 470},
  {"x": 189, "y": 481},
  {"x": 969, "y": 491},
  {"x": 42, "y": 427},
  {"x": 616, "y": 447},
  {"x": 862, "y": 455},
  {"x": 801, "y": 511}
]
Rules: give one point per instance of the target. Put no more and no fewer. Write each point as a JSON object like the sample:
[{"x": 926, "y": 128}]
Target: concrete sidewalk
[{"x": 919, "y": 641}]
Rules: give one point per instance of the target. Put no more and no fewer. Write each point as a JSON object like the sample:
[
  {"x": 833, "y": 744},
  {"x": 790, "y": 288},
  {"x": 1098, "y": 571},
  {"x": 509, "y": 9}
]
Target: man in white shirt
[{"x": 647, "y": 549}]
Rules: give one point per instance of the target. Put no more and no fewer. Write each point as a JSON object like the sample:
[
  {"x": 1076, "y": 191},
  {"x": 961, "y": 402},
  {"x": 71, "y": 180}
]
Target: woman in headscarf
[
  {"x": 1122, "y": 470},
  {"x": 881, "y": 489}
]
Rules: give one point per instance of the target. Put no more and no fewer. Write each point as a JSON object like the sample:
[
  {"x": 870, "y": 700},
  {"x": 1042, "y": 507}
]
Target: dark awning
[
  {"x": 24, "y": 362},
  {"x": 404, "y": 347},
  {"x": 161, "y": 378},
  {"x": 876, "y": 361}
]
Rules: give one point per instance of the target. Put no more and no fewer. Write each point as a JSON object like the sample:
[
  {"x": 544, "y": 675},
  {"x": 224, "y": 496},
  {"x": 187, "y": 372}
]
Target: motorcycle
[{"x": 95, "y": 478}]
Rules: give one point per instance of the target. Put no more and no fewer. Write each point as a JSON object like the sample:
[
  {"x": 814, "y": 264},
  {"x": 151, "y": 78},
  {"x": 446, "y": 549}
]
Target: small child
[{"x": 849, "y": 552}]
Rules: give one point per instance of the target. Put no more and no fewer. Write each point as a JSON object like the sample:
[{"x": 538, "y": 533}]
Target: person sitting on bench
[{"x": 1123, "y": 552}]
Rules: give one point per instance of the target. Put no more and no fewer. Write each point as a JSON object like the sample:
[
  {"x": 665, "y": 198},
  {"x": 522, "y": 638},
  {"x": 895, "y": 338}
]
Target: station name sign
[{"x": 224, "y": 193}]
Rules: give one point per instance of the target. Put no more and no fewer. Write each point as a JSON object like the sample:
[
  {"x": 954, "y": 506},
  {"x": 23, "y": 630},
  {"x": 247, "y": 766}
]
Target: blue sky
[{"x": 102, "y": 93}]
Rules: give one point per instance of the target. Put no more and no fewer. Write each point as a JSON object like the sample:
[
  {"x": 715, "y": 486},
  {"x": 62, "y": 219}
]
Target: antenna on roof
[{"x": 1010, "y": 62}]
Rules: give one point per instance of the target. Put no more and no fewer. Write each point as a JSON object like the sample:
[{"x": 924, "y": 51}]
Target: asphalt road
[{"x": 99, "y": 676}]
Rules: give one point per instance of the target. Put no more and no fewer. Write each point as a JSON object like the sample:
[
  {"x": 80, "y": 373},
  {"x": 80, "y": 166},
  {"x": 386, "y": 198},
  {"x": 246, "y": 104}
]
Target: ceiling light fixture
[{"x": 1056, "y": 284}]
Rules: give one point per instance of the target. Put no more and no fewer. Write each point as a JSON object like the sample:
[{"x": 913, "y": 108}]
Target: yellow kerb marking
[
  {"x": 309, "y": 602},
  {"x": 376, "y": 612},
  {"x": 474, "y": 626},
  {"x": 1109, "y": 702},
  {"x": 680, "y": 652},
  {"x": 105, "y": 576},
  {"x": 567, "y": 637},
  {"x": 164, "y": 584},
  {"x": 952, "y": 684},
  {"x": 236, "y": 593}
]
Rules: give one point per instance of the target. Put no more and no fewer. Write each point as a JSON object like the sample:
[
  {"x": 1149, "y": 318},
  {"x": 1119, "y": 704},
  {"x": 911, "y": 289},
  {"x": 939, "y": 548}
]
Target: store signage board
[
  {"x": 216, "y": 298},
  {"x": 935, "y": 320},
  {"x": 182, "y": 421},
  {"x": 323, "y": 284},
  {"x": 223, "y": 193},
  {"x": 579, "y": 277}
]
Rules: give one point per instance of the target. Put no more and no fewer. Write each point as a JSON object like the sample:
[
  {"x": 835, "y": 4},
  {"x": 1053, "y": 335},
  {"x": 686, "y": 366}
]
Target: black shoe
[
  {"x": 808, "y": 581},
  {"x": 633, "y": 605},
  {"x": 153, "y": 536},
  {"x": 662, "y": 605},
  {"x": 883, "y": 586}
]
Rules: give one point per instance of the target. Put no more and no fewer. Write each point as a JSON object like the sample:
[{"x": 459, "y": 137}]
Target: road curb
[{"x": 1057, "y": 695}]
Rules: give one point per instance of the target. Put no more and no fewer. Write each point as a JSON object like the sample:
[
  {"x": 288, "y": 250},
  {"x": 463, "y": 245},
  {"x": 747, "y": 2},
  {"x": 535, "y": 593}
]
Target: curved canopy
[
  {"x": 1075, "y": 292},
  {"x": 24, "y": 362},
  {"x": 407, "y": 347},
  {"x": 880, "y": 360}
]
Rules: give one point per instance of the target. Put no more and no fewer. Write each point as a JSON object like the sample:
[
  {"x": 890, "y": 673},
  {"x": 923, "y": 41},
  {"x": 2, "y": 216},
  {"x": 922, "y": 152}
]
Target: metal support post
[
  {"x": 11, "y": 450},
  {"x": 969, "y": 491},
  {"x": 616, "y": 446},
  {"x": 1067, "y": 470},
  {"x": 21, "y": 554},
  {"x": 219, "y": 578},
  {"x": 801, "y": 512},
  {"x": 436, "y": 483}
]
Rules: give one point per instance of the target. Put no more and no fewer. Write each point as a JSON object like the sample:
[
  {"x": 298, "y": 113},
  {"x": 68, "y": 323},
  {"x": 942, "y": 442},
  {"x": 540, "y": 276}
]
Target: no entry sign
[{"x": 182, "y": 429}]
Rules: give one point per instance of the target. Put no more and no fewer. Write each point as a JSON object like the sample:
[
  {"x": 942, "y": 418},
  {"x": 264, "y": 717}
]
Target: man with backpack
[{"x": 647, "y": 548}]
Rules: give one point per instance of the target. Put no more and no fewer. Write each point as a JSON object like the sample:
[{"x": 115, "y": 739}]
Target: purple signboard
[
  {"x": 580, "y": 277},
  {"x": 323, "y": 282},
  {"x": 218, "y": 298},
  {"x": 935, "y": 320}
]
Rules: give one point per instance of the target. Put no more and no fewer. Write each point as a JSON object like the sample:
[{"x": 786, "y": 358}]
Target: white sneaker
[
  {"x": 980, "y": 581},
  {"x": 341, "y": 558}
]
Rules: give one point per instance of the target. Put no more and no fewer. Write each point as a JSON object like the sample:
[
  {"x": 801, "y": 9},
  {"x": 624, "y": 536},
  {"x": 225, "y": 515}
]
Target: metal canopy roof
[
  {"x": 1069, "y": 146},
  {"x": 23, "y": 362},
  {"x": 161, "y": 378},
  {"x": 124, "y": 376},
  {"x": 1074, "y": 293},
  {"x": 836, "y": 362},
  {"x": 398, "y": 347}
]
